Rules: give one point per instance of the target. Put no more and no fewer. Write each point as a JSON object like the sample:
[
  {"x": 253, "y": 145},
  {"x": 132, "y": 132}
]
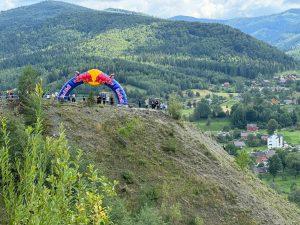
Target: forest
[{"x": 154, "y": 56}]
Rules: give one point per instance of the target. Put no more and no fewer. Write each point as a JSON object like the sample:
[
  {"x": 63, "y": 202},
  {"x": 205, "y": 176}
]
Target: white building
[{"x": 275, "y": 141}]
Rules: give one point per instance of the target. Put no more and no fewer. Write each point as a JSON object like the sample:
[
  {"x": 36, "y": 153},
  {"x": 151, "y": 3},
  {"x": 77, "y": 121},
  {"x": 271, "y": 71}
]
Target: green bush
[
  {"x": 91, "y": 99},
  {"x": 130, "y": 126},
  {"x": 128, "y": 177},
  {"x": 150, "y": 195},
  {"x": 175, "y": 107}
]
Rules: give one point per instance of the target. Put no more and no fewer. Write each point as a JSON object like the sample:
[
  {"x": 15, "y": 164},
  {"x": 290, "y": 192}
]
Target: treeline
[{"x": 259, "y": 109}]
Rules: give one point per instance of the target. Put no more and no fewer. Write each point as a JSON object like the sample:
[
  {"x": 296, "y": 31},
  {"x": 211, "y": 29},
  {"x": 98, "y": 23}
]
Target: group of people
[
  {"x": 102, "y": 98},
  {"x": 154, "y": 103}
]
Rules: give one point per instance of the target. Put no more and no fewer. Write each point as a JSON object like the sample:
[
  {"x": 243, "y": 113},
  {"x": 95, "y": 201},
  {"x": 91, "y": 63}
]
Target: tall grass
[{"x": 45, "y": 185}]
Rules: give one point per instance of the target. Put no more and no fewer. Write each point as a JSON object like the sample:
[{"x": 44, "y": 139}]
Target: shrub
[
  {"x": 130, "y": 126},
  {"x": 128, "y": 177},
  {"x": 150, "y": 195},
  {"x": 91, "y": 99},
  {"x": 243, "y": 160},
  {"x": 175, "y": 107},
  {"x": 26, "y": 83}
]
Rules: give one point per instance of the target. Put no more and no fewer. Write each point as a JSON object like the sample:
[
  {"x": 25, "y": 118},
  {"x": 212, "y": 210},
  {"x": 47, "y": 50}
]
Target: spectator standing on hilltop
[
  {"x": 111, "y": 100},
  {"x": 157, "y": 105},
  {"x": 140, "y": 104},
  {"x": 73, "y": 98},
  {"x": 147, "y": 103},
  {"x": 99, "y": 99},
  {"x": 104, "y": 99}
]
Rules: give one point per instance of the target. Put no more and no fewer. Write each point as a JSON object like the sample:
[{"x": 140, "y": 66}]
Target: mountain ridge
[
  {"x": 280, "y": 30},
  {"x": 176, "y": 54}
]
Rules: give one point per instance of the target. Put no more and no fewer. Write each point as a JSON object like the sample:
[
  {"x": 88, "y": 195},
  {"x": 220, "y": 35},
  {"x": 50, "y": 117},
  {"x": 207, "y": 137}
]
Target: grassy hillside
[
  {"x": 171, "y": 166},
  {"x": 152, "y": 54},
  {"x": 281, "y": 30}
]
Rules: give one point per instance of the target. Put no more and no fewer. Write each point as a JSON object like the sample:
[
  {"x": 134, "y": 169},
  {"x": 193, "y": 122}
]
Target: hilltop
[
  {"x": 280, "y": 30},
  {"x": 151, "y": 56},
  {"x": 167, "y": 164}
]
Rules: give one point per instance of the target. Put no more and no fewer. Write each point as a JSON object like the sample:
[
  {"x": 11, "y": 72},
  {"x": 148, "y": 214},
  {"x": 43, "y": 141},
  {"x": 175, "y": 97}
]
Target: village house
[
  {"x": 223, "y": 134},
  {"x": 290, "y": 101},
  {"x": 275, "y": 101},
  {"x": 226, "y": 85},
  {"x": 239, "y": 144},
  {"x": 244, "y": 135},
  {"x": 260, "y": 169},
  {"x": 260, "y": 157},
  {"x": 275, "y": 141},
  {"x": 252, "y": 127},
  {"x": 264, "y": 137},
  {"x": 270, "y": 153},
  {"x": 263, "y": 156}
]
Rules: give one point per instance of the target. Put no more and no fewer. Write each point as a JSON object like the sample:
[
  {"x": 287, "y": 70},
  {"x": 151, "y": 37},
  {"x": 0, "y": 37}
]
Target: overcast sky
[{"x": 221, "y": 9}]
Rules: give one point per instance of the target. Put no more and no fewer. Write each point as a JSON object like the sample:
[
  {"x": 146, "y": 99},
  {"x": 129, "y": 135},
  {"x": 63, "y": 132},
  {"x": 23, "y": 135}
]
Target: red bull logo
[
  {"x": 104, "y": 79},
  {"x": 94, "y": 77},
  {"x": 85, "y": 78}
]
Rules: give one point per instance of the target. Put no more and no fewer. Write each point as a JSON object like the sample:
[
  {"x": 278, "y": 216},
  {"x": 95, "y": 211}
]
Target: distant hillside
[
  {"x": 281, "y": 30},
  {"x": 171, "y": 166},
  {"x": 150, "y": 56}
]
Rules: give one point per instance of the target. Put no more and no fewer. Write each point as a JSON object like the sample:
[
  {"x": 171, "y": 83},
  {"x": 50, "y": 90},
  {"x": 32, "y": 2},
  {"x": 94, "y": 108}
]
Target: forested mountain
[
  {"x": 154, "y": 56},
  {"x": 281, "y": 30}
]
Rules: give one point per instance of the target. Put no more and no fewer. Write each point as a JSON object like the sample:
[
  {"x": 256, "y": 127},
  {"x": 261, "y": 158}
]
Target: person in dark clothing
[
  {"x": 157, "y": 104},
  {"x": 104, "y": 99},
  {"x": 73, "y": 98},
  {"x": 83, "y": 98},
  {"x": 140, "y": 104},
  {"x": 98, "y": 99},
  {"x": 111, "y": 100}
]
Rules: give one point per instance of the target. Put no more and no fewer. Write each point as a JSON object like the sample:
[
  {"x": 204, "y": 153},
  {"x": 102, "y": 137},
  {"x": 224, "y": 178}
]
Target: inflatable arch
[{"x": 94, "y": 78}]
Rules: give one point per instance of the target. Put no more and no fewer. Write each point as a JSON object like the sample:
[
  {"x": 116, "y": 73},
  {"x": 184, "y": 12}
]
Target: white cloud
[
  {"x": 7, "y": 4},
  {"x": 196, "y": 8}
]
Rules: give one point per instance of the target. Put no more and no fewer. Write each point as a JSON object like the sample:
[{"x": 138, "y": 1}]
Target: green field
[
  {"x": 204, "y": 93},
  {"x": 255, "y": 149},
  {"x": 282, "y": 185},
  {"x": 215, "y": 125},
  {"x": 291, "y": 137}
]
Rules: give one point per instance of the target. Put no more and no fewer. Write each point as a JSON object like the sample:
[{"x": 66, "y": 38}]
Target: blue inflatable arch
[{"x": 94, "y": 77}]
